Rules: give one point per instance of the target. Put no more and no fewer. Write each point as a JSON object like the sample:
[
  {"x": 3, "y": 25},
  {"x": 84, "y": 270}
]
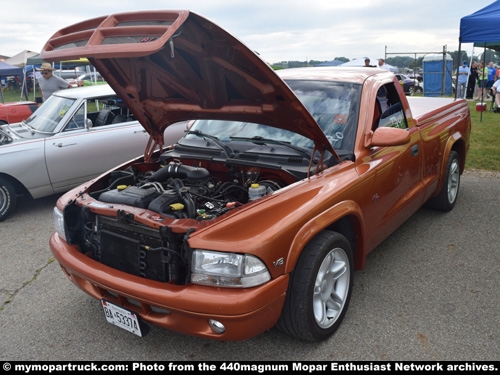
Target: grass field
[{"x": 484, "y": 152}]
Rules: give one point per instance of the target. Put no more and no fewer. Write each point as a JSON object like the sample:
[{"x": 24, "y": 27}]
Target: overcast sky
[{"x": 278, "y": 30}]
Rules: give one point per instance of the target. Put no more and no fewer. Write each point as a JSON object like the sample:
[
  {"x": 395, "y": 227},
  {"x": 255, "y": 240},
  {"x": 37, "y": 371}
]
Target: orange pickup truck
[{"x": 260, "y": 215}]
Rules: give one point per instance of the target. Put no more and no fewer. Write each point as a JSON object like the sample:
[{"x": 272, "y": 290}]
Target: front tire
[
  {"x": 320, "y": 289},
  {"x": 8, "y": 198},
  {"x": 447, "y": 197}
]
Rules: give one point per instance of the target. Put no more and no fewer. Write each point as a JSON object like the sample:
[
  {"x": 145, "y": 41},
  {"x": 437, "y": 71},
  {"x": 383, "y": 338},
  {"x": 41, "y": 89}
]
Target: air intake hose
[{"x": 177, "y": 170}]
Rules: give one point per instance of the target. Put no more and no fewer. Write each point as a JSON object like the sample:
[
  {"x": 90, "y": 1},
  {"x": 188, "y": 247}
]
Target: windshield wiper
[
  {"x": 264, "y": 141},
  {"x": 30, "y": 128},
  {"x": 228, "y": 150}
]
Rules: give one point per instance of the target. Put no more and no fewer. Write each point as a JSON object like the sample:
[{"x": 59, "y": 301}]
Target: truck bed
[{"x": 426, "y": 108}]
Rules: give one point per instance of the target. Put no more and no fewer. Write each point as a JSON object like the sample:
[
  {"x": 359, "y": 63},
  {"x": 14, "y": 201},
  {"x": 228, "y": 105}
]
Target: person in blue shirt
[
  {"x": 463, "y": 75},
  {"x": 491, "y": 76}
]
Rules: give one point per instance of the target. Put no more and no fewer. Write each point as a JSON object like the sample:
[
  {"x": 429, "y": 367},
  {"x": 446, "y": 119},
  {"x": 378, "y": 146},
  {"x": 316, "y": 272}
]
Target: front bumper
[{"x": 183, "y": 308}]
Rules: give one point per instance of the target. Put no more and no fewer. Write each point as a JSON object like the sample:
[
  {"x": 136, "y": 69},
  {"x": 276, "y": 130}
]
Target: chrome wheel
[
  {"x": 331, "y": 288},
  {"x": 453, "y": 180},
  {"x": 8, "y": 198},
  {"x": 320, "y": 288},
  {"x": 446, "y": 198}
]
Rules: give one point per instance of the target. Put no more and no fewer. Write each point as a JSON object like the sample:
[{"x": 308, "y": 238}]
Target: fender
[
  {"x": 323, "y": 221},
  {"x": 454, "y": 139}
]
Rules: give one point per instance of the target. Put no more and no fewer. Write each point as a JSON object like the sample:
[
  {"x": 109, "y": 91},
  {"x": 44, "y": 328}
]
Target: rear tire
[
  {"x": 320, "y": 289},
  {"x": 445, "y": 200},
  {"x": 8, "y": 198}
]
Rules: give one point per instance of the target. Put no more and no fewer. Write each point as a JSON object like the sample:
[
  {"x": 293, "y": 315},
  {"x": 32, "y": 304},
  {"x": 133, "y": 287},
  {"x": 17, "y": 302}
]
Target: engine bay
[{"x": 200, "y": 190}]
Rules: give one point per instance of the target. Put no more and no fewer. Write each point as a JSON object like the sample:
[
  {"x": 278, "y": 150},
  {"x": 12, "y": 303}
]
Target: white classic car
[{"x": 74, "y": 136}]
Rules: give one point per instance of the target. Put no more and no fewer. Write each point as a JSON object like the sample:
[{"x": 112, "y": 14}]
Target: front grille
[{"x": 150, "y": 253}]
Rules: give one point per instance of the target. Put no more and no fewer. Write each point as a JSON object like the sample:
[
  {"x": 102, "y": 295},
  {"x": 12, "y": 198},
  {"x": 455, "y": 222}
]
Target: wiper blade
[
  {"x": 264, "y": 141},
  {"x": 31, "y": 128},
  {"x": 228, "y": 150}
]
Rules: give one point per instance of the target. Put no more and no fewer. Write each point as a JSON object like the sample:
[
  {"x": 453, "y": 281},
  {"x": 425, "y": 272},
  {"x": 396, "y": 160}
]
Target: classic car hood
[
  {"x": 12, "y": 133},
  {"x": 170, "y": 66}
]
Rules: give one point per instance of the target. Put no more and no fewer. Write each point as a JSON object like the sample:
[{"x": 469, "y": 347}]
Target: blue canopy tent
[
  {"x": 481, "y": 29},
  {"x": 9, "y": 70}
]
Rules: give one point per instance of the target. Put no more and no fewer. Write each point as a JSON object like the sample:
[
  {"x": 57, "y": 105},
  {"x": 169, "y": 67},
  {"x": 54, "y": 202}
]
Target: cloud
[{"x": 277, "y": 30}]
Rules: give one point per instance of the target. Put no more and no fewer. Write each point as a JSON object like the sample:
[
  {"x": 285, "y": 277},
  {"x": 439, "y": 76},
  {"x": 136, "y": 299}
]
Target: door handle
[
  {"x": 414, "y": 150},
  {"x": 63, "y": 145}
]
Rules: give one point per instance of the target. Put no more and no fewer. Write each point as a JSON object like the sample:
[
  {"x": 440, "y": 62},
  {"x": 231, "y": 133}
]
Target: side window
[
  {"x": 390, "y": 107},
  {"x": 394, "y": 117},
  {"x": 77, "y": 121}
]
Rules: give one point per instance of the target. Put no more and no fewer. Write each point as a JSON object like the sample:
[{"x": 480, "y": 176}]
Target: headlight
[
  {"x": 58, "y": 220},
  {"x": 227, "y": 269}
]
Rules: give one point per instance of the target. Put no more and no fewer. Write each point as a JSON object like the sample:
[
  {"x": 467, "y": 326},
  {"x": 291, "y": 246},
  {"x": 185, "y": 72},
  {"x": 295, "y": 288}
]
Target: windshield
[
  {"x": 226, "y": 130},
  {"x": 49, "y": 114},
  {"x": 334, "y": 106}
]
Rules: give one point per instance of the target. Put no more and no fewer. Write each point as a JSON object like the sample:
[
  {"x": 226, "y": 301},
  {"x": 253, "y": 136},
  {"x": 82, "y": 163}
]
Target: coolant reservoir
[{"x": 256, "y": 191}]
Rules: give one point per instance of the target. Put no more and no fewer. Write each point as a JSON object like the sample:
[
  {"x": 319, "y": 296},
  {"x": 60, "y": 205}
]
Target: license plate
[{"x": 121, "y": 317}]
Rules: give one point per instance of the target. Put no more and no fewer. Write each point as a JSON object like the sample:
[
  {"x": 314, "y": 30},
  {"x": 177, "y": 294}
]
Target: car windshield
[
  {"x": 334, "y": 106},
  {"x": 46, "y": 118}
]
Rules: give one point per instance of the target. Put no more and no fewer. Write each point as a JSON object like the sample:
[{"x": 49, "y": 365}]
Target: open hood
[{"x": 171, "y": 66}]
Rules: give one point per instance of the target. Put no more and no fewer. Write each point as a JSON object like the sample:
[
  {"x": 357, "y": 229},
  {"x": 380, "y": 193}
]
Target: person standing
[
  {"x": 482, "y": 80},
  {"x": 49, "y": 83},
  {"x": 367, "y": 63},
  {"x": 496, "y": 91},
  {"x": 491, "y": 76},
  {"x": 473, "y": 77},
  {"x": 463, "y": 75},
  {"x": 381, "y": 64}
]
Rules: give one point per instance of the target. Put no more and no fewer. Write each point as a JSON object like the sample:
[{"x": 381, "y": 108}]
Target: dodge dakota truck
[{"x": 260, "y": 215}]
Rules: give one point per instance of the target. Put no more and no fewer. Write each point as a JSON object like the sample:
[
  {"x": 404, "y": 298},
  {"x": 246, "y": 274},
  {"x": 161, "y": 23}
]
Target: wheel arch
[
  {"x": 460, "y": 147},
  {"x": 18, "y": 186},
  {"x": 455, "y": 143},
  {"x": 345, "y": 218}
]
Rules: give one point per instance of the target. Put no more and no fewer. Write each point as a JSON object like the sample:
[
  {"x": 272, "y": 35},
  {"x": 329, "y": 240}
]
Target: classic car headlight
[
  {"x": 58, "y": 220},
  {"x": 227, "y": 269}
]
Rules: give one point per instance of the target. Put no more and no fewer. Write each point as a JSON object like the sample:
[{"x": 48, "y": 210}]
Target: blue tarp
[
  {"x": 481, "y": 27},
  {"x": 10, "y": 70}
]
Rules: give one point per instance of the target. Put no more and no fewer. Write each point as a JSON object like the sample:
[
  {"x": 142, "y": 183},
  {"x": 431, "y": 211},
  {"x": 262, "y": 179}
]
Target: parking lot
[{"x": 430, "y": 292}]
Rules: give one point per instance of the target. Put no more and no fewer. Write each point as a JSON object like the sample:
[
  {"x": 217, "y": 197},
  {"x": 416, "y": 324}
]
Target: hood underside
[{"x": 171, "y": 66}]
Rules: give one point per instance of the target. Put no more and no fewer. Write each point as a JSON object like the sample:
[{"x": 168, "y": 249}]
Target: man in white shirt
[
  {"x": 496, "y": 90},
  {"x": 381, "y": 64}
]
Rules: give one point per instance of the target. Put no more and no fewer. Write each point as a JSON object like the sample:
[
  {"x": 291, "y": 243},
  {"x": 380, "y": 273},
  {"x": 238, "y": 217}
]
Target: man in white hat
[{"x": 50, "y": 83}]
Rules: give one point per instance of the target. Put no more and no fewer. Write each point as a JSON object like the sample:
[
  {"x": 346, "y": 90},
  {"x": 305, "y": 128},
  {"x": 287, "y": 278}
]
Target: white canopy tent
[{"x": 21, "y": 59}]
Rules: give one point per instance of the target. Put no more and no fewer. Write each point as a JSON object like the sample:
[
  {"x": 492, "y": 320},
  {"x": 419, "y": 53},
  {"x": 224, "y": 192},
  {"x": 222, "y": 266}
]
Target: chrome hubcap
[{"x": 3, "y": 199}]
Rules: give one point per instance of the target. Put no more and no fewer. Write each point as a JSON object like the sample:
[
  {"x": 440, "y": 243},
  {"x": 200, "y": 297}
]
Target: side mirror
[
  {"x": 383, "y": 137},
  {"x": 88, "y": 123}
]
